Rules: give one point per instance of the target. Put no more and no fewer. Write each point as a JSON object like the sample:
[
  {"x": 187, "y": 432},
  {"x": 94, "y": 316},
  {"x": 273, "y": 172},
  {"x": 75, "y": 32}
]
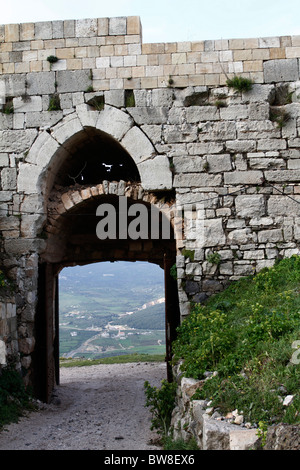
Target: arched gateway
[{"x": 96, "y": 199}]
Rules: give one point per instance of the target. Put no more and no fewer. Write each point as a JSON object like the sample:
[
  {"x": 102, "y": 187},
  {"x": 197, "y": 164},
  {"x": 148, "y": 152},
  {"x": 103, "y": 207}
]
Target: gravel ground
[{"x": 95, "y": 408}]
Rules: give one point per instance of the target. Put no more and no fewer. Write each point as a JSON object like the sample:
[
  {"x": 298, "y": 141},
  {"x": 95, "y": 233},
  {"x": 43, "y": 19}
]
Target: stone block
[
  {"x": 244, "y": 177},
  {"x": 196, "y": 180},
  {"x": 138, "y": 145},
  {"x": 270, "y": 236},
  {"x": 43, "y": 30},
  {"x": 243, "y": 439},
  {"x": 162, "y": 97},
  {"x": 282, "y": 176},
  {"x": 235, "y": 112},
  {"x": 134, "y": 25},
  {"x": 26, "y": 31},
  {"x": 70, "y": 81},
  {"x": 43, "y": 119},
  {"x": 17, "y": 141},
  {"x": 250, "y": 206},
  {"x": 216, "y": 434},
  {"x": 202, "y": 114},
  {"x": 27, "y": 104},
  {"x": 294, "y": 164},
  {"x": 69, "y": 28},
  {"x": 241, "y": 269},
  {"x": 13, "y": 85},
  {"x": 66, "y": 129},
  {"x": 241, "y": 146},
  {"x": 2, "y": 353},
  {"x": 213, "y": 233},
  {"x": 259, "y": 111},
  {"x": 149, "y": 115},
  {"x": 57, "y": 29},
  {"x": 42, "y": 150},
  {"x": 218, "y": 131},
  {"x": 281, "y": 70},
  {"x": 9, "y": 179},
  {"x": 4, "y": 161},
  {"x": 115, "y": 123},
  {"x": 28, "y": 178},
  {"x": 241, "y": 237},
  {"x": 102, "y": 26},
  {"x": 117, "y": 26},
  {"x": 12, "y": 33},
  {"x": 219, "y": 163},
  {"x": 153, "y": 132},
  {"x": 269, "y": 42},
  {"x": 271, "y": 144},
  {"x": 188, "y": 164},
  {"x": 174, "y": 134},
  {"x": 86, "y": 28},
  {"x": 155, "y": 174},
  {"x": 6, "y": 121},
  {"x": 282, "y": 205},
  {"x": 115, "y": 98}
]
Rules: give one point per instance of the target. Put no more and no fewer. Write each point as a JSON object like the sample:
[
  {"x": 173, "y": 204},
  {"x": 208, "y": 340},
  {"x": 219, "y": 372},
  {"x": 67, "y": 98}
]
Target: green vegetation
[
  {"x": 188, "y": 254},
  {"x": 54, "y": 103},
  {"x": 2, "y": 279},
  {"x": 161, "y": 402},
  {"x": 124, "y": 359},
  {"x": 240, "y": 84},
  {"x": 8, "y": 107},
  {"x": 246, "y": 334},
  {"x": 180, "y": 444},
  {"x": 97, "y": 102},
  {"x": 214, "y": 258},
  {"x": 52, "y": 59},
  {"x": 129, "y": 99},
  {"x": 14, "y": 399},
  {"x": 280, "y": 116},
  {"x": 173, "y": 272}
]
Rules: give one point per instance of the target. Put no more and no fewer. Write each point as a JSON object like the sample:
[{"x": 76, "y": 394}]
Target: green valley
[{"x": 109, "y": 309}]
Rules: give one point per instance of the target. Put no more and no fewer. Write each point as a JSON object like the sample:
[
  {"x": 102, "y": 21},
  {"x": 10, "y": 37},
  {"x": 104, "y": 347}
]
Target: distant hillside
[
  {"x": 108, "y": 308},
  {"x": 149, "y": 318}
]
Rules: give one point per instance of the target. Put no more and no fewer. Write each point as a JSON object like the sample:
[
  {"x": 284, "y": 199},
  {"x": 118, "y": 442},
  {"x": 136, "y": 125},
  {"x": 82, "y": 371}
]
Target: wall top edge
[
  {"x": 58, "y": 29},
  {"x": 117, "y": 26}
]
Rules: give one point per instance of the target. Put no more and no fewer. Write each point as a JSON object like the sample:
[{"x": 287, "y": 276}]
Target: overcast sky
[{"x": 170, "y": 20}]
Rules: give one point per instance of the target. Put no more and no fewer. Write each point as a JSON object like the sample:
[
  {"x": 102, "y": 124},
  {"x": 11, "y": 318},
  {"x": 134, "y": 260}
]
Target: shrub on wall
[{"x": 14, "y": 399}]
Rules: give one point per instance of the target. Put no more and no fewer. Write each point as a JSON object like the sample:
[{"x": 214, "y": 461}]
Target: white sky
[{"x": 170, "y": 20}]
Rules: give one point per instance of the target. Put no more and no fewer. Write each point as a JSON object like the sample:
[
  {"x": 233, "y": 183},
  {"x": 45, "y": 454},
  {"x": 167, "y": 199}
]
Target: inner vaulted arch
[{"x": 93, "y": 158}]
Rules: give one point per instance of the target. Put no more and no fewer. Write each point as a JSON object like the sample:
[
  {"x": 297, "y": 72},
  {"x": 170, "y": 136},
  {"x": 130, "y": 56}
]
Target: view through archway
[
  {"x": 112, "y": 309},
  {"x": 101, "y": 207}
]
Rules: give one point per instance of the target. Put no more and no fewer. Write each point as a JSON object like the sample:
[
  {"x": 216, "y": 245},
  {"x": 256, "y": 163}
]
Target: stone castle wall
[
  {"x": 113, "y": 49},
  {"x": 230, "y": 159}
]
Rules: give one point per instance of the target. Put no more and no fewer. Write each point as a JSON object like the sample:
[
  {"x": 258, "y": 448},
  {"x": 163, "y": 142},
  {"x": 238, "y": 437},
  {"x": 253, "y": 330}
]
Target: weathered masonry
[{"x": 91, "y": 114}]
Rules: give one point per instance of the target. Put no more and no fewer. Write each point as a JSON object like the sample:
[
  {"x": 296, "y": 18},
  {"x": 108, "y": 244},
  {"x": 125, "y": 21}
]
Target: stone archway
[
  {"x": 69, "y": 205},
  {"x": 41, "y": 164}
]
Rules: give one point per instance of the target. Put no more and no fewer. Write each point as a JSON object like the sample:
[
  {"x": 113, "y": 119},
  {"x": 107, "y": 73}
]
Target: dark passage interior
[{"x": 96, "y": 157}]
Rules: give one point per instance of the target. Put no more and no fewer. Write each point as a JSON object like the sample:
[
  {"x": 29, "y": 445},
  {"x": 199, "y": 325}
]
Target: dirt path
[{"x": 98, "y": 408}]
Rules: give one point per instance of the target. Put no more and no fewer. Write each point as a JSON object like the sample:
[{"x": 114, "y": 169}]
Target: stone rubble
[{"x": 198, "y": 420}]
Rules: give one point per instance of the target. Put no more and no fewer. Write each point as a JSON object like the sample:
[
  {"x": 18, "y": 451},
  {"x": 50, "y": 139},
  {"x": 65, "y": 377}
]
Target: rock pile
[{"x": 199, "y": 420}]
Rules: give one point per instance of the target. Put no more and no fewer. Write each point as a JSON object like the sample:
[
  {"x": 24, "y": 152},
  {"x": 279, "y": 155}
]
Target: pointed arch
[{"x": 58, "y": 142}]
